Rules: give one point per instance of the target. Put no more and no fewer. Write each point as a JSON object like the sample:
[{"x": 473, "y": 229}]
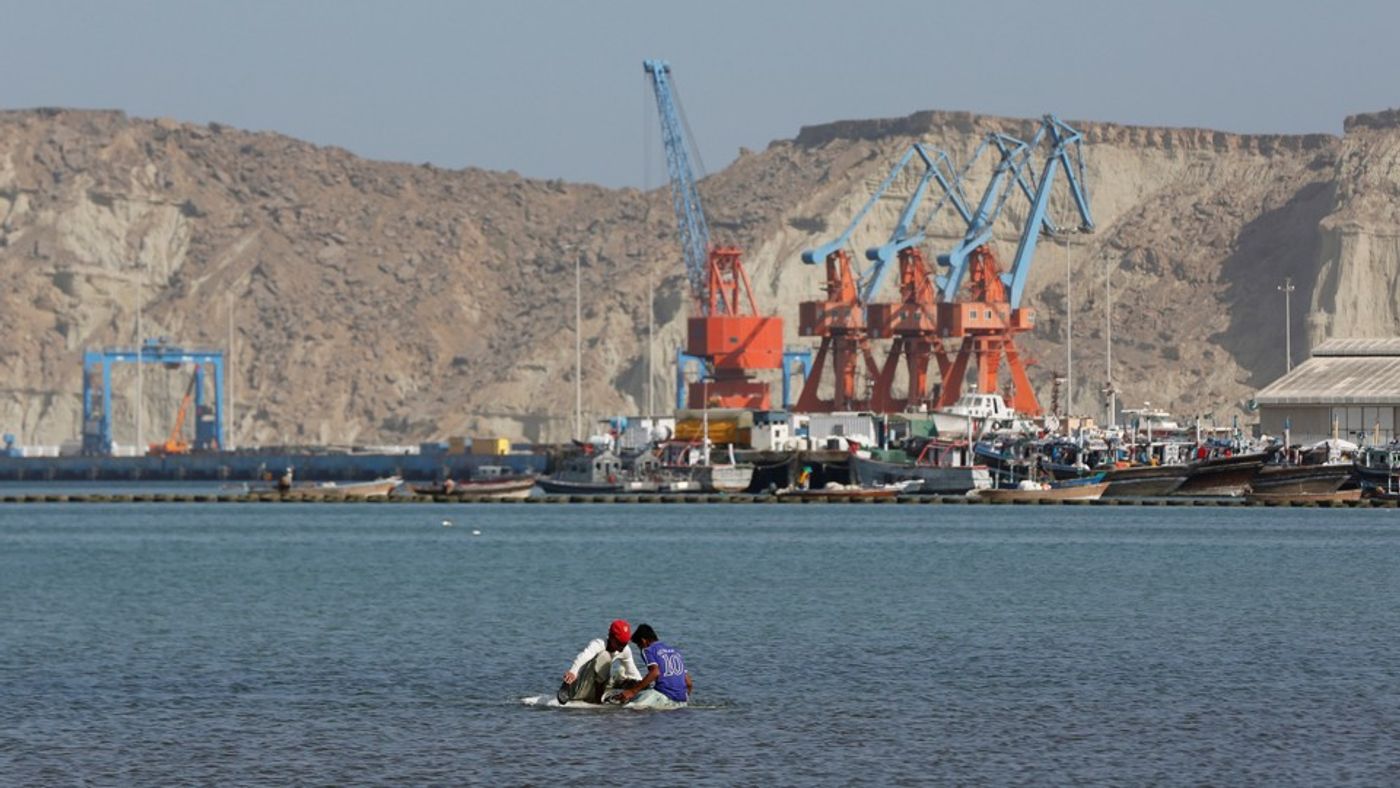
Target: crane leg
[
  {"x": 809, "y": 401},
  {"x": 953, "y": 380},
  {"x": 1023, "y": 397}
]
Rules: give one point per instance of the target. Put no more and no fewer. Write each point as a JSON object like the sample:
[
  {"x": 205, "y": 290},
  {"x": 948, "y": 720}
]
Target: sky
[{"x": 556, "y": 89}]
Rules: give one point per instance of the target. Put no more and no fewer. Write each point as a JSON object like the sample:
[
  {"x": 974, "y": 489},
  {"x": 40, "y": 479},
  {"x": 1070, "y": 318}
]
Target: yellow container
[{"x": 493, "y": 447}]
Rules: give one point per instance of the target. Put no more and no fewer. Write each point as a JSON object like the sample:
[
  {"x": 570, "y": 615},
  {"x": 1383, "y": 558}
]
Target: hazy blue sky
[{"x": 555, "y": 89}]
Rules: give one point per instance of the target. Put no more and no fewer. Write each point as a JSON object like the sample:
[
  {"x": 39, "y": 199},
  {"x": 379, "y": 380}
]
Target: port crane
[
  {"x": 725, "y": 330},
  {"x": 849, "y": 317},
  {"x": 989, "y": 316},
  {"x": 912, "y": 322}
]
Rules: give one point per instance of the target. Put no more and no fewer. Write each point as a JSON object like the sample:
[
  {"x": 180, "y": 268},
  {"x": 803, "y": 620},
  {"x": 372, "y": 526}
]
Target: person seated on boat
[
  {"x": 804, "y": 479},
  {"x": 285, "y": 482},
  {"x": 666, "y": 684},
  {"x": 448, "y": 486},
  {"x": 603, "y": 664}
]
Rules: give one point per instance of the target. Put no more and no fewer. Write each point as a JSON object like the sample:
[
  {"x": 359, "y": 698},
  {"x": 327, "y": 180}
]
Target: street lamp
[{"x": 1287, "y": 289}]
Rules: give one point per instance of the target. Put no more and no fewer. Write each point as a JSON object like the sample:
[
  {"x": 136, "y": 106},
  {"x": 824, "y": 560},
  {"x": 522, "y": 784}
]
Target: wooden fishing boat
[
  {"x": 497, "y": 489},
  {"x": 1224, "y": 476},
  {"x": 1353, "y": 494},
  {"x": 379, "y": 488},
  {"x": 1300, "y": 479},
  {"x": 1142, "y": 481},
  {"x": 842, "y": 492},
  {"x": 1088, "y": 489}
]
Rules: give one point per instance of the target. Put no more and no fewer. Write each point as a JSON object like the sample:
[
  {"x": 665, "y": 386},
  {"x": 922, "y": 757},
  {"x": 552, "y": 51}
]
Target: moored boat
[
  {"x": 1144, "y": 481},
  {"x": 498, "y": 489},
  {"x": 1353, "y": 494},
  {"x": 1088, "y": 489},
  {"x": 842, "y": 491},
  {"x": 941, "y": 468},
  {"x": 1221, "y": 476},
  {"x": 379, "y": 488},
  {"x": 1300, "y": 479}
]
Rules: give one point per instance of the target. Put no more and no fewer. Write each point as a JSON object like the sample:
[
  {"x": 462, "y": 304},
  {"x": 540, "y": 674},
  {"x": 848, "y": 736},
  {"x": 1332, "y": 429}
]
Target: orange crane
[
  {"x": 725, "y": 332},
  {"x": 176, "y": 443},
  {"x": 990, "y": 317}
]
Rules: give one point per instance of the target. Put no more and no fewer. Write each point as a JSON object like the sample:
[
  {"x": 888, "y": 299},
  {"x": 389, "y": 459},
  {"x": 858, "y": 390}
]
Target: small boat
[
  {"x": 379, "y": 488},
  {"x": 1353, "y": 494},
  {"x": 1090, "y": 488},
  {"x": 496, "y": 482},
  {"x": 843, "y": 492},
  {"x": 496, "y": 489}
]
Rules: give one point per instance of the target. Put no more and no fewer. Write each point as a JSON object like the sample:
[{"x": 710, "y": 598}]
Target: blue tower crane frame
[
  {"x": 685, "y": 192},
  {"x": 97, "y": 381}
]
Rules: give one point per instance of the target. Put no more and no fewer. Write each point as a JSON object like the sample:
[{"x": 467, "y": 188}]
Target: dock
[{"x": 909, "y": 500}]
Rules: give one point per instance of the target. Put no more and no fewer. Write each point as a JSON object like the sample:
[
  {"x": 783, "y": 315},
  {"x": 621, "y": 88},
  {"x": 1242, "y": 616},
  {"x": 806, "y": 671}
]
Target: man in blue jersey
[{"x": 667, "y": 683}]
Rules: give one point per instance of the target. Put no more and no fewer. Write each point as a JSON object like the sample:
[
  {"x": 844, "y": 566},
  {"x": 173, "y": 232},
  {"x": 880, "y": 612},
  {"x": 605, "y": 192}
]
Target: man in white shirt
[{"x": 605, "y": 663}]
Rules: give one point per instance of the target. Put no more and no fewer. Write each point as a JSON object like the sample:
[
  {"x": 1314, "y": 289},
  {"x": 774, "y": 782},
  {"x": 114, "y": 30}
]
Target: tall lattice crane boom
[{"x": 685, "y": 194}]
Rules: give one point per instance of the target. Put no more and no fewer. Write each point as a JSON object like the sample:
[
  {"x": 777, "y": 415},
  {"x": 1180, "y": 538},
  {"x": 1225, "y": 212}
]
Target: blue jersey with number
[{"x": 668, "y": 662}]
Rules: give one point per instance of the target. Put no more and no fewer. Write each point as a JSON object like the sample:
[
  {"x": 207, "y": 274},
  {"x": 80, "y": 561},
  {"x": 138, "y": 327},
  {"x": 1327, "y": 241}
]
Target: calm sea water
[{"x": 173, "y": 644}]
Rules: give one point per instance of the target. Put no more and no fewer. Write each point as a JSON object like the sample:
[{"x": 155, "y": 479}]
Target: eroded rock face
[{"x": 380, "y": 302}]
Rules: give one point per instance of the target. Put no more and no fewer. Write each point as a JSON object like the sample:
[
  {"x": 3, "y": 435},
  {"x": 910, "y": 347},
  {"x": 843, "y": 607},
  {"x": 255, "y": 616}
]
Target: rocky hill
[{"x": 382, "y": 302}]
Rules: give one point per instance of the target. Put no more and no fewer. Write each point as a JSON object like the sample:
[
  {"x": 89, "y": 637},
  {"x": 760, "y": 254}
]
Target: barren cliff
[{"x": 380, "y": 302}]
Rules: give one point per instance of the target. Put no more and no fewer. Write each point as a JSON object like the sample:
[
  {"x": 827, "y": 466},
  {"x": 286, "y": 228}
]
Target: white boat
[
  {"x": 379, "y": 488},
  {"x": 973, "y": 414}
]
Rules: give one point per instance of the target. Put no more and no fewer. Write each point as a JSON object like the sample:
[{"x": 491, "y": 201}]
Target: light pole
[
  {"x": 1287, "y": 289},
  {"x": 1069, "y": 336},
  {"x": 578, "y": 346}
]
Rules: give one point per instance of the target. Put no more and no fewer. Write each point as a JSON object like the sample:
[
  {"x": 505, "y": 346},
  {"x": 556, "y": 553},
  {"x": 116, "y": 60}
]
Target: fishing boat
[
  {"x": 1089, "y": 488},
  {"x": 1227, "y": 475},
  {"x": 379, "y": 488},
  {"x": 1336, "y": 496},
  {"x": 490, "y": 481},
  {"x": 942, "y": 467},
  {"x": 692, "y": 465},
  {"x": 844, "y": 492},
  {"x": 1144, "y": 481},
  {"x": 1300, "y": 479}
]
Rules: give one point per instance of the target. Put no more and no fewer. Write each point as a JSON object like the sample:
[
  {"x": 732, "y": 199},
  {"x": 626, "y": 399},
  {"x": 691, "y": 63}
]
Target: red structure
[
  {"x": 839, "y": 320},
  {"x": 912, "y": 324},
  {"x": 988, "y": 325},
  {"x": 732, "y": 338}
]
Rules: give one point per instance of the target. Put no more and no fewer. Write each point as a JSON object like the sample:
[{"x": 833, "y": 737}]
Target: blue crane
[
  {"x": 685, "y": 194},
  {"x": 901, "y": 238},
  {"x": 1063, "y": 139},
  {"x": 1014, "y": 154}
]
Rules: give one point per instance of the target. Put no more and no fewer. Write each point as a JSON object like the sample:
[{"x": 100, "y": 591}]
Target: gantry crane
[
  {"x": 912, "y": 323},
  {"x": 989, "y": 317},
  {"x": 840, "y": 320},
  {"x": 725, "y": 329}
]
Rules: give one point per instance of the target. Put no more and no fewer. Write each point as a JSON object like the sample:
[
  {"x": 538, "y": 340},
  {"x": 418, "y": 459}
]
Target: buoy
[
  {"x": 475, "y": 532},
  {"x": 446, "y": 523}
]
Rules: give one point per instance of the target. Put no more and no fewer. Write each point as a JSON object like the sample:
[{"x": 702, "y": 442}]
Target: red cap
[{"x": 620, "y": 630}]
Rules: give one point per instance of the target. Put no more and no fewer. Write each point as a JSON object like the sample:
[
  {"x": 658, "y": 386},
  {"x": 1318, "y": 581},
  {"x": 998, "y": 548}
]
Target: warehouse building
[{"x": 1349, "y": 387}]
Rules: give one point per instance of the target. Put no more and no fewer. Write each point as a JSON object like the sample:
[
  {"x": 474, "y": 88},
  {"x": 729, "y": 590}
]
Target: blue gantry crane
[
  {"x": 725, "y": 329},
  {"x": 97, "y": 391},
  {"x": 845, "y": 319},
  {"x": 989, "y": 315}
]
